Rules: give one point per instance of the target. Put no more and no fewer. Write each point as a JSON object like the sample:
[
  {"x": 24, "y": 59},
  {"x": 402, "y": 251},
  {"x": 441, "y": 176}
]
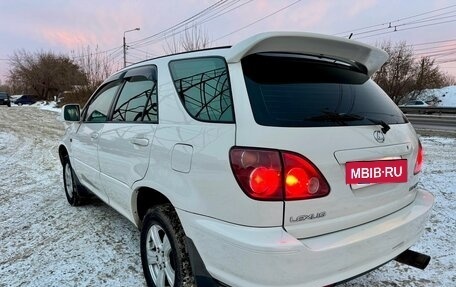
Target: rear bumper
[{"x": 247, "y": 256}]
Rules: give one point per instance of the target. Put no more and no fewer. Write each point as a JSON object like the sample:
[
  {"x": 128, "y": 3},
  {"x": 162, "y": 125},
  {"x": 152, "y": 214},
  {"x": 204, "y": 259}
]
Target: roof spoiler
[{"x": 370, "y": 57}]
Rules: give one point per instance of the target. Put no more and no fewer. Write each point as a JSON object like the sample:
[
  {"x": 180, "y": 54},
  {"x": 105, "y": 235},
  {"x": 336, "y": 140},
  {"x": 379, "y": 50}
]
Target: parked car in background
[
  {"x": 416, "y": 107},
  {"x": 274, "y": 162},
  {"x": 5, "y": 99},
  {"x": 415, "y": 103},
  {"x": 25, "y": 100}
]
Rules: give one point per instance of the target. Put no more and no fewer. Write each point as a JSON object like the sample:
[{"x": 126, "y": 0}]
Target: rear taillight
[
  {"x": 419, "y": 159},
  {"x": 276, "y": 175},
  {"x": 258, "y": 172},
  {"x": 302, "y": 179}
]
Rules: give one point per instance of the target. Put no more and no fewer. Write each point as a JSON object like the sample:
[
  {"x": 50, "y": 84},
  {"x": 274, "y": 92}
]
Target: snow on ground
[
  {"x": 446, "y": 95},
  {"x": 46, "y": 242}
]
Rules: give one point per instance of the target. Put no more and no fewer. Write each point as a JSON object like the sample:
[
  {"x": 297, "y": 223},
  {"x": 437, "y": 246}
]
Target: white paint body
[{"x": 246, "y": 242}]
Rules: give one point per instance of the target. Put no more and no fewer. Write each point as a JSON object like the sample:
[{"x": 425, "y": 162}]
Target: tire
[
  {"x": 72, "y": 189},
  {"x": 164, "y": 256}
]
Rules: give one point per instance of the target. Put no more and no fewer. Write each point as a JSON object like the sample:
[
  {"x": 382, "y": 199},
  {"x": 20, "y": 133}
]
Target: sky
[{"x": 69, "y": 27}]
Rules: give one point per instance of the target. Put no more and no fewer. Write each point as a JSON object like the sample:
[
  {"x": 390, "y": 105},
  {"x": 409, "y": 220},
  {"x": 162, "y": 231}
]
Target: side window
[
  {"x": 151, "y": 110},
  {"x": 137, "y": 101},
  {"x": 98, "y": 109},
  {"x": 204, "y": 89}
]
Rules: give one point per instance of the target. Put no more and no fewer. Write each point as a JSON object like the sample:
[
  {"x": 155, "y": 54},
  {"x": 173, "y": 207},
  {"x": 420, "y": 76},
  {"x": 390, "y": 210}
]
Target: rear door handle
[
  {"x": 94, "y": 136},
  {"x": 140, "y": 141}
]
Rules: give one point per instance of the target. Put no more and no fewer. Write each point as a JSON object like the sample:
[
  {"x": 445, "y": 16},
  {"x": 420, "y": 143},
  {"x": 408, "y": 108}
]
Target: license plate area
[{"x": 374, "y": 172}]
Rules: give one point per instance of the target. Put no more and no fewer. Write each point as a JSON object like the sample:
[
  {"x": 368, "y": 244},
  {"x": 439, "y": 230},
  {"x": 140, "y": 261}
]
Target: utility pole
[{"x": 125, "y": 45}]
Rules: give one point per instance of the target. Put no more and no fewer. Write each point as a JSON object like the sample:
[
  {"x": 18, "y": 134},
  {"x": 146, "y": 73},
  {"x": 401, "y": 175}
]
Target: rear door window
[
  {"x": 299, "y": 91},
  {"x": 137, "y": 101}
]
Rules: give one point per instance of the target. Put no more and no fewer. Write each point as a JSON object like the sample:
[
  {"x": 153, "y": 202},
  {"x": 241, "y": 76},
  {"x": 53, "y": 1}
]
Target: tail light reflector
[{"x": 276, "y": 175}]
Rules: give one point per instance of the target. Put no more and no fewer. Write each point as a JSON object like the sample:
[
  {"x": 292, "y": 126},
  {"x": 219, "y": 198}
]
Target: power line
[
  {"x": 97, "y": 53},
  {"x": 223, "y": 7},
  {"x": 391, "y": 23},
  {"x": 439, "y": 56},
  {"x": 398, "y": 28},
  {"x": 434, "y": 42},
  {"x": 221, "y": 14},
  {"x": 430, "y": 49},
  {"x": 433, "y": 17},
  {"x": 142, "y": 51},
  {"x": 181, "y": 23},
  {"x": 209, "y": 16},
  {"x": 424, "y": 13},
  {"x": 259, "y": 20},
  {"x": 446, "y": 61},
  {"x": 411, "y": 28}
]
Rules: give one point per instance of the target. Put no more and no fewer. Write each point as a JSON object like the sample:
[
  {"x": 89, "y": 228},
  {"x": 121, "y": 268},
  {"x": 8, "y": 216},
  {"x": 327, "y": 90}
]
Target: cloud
[
  {"x": 66, "y": 38},
  {"x": 315, "y": 12},
  {"x": 301, "y": 16},
  {"x": 360, "y": 6}
]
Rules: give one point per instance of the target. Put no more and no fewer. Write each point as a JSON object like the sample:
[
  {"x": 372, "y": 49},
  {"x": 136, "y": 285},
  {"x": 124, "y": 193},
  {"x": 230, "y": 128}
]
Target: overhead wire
[
  {"x": 223, "y": 7},
  {"x": 259, "y": 20},
  {"x": 404, "y": 29},
  {"x": 391, "y": 23},
  {"x": 209, "y": 16},
  {"x": 181, "y": 23},
  {"x": 202, "y": 12}
]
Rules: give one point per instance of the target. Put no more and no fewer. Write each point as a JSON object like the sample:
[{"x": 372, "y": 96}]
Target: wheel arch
[
  {"x": 63, "y": 153},
  {"x": 145, "y": 198}
]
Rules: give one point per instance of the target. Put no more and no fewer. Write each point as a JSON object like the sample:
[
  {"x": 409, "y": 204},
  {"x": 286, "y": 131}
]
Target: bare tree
[
  {"x": 396, "y": 75},
  {"x": 172, "y": 44},
  {"x": 449, "y": 79},
  {"x": 43, "y": 74},
  {"x": 193, "y": 38},
  {"x": 404, "y": 77},
  {"x": 95, "y": 64},
  {"x": 96, "y": 67},
  {"x": 428, "y": 76}
]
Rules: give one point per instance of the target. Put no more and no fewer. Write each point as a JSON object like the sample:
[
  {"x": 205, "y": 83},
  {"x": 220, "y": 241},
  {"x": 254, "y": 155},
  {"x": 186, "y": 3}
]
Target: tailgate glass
[{"x": 322, "y": 93}]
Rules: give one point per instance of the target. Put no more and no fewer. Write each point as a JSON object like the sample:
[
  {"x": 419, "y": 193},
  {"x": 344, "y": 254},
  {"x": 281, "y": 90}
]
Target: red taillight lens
[
  {"x": 302, "y": 178},
  {"x": 264, "y": 182},
  {"x": 274, "y": 175},
  {"x": 419, "y": 159},
  {"x": 258, "y": 172}
]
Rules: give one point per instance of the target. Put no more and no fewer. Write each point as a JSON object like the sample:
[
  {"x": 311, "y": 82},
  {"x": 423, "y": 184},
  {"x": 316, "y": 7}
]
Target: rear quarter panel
[{"x": 209, "y": 187}]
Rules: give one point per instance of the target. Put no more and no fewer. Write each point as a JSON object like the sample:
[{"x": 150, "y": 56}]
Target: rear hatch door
[{"x": 331, "y": 113}]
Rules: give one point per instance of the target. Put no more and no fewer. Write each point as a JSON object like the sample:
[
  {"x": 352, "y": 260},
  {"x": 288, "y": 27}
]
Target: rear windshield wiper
[{"x": 342, "y": 118}]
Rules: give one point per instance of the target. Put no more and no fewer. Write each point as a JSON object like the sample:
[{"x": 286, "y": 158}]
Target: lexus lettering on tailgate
[{"x": 380, "y": 171}]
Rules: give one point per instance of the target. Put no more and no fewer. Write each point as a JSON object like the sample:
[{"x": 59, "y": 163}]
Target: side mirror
[{"x": 71, "y": 113}]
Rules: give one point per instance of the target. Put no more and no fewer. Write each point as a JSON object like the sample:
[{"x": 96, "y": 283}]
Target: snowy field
[
  {"x": 45, "y": 242},
  {"x": 446, "y": 95}
]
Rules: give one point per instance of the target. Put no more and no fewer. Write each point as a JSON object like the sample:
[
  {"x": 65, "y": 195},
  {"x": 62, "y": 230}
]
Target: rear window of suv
[{"x": 290, "y": 90}]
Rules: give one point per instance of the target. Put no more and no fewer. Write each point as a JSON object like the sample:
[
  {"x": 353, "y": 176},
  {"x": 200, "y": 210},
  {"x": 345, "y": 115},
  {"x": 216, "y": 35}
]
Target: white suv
[{"x": 274, "y": 162}]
